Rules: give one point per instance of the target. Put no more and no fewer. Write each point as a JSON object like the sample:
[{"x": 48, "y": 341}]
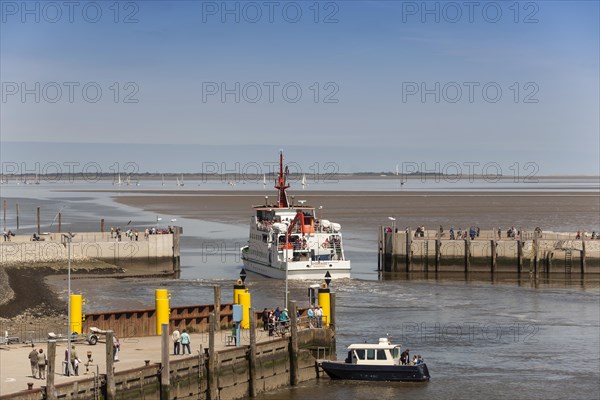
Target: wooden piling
[
  {"x": 252, "y": 356},
  {"x": 102, "y": 225},
  {"x": 379, "y": 256},
  {"x": 438, "y": 251},
  {"x": 50, "y": 370},
  {"x": 17, "y": 216},
  {"x": 493, "y": 255},
  {"x": 535, "y": 254},
  {"x": 165, "y": 373},
  {"x": 519, "y": 256},
  {"x": 213, "y": 390},
  {"x": 583, "y": 255},
  {"x": 217, "y": 303},
  {"x": 408, "y": 249},
  {"x": 38, "y": 221},
  {"x": 294, "y": 373},
  {"x": 59, "y": 221},
  {"x": 467, "y": 255},
  {"x": 111, "y": 390}
]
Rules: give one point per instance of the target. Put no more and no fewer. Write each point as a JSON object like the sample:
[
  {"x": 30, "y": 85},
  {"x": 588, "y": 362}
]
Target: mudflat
[{"x": 366, "y": 211}]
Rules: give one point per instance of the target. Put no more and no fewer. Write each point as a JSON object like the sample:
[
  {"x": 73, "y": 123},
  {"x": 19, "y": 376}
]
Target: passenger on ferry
[{"x": 405, "y": 356}]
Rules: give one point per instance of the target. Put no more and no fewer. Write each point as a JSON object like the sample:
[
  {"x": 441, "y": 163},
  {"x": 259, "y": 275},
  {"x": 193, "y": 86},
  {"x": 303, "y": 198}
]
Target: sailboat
[
  {"x": 304, "y": 181},
  {"x": 37, "y": 179},
  {"x": 163, "y": 179},
  {"x": 401, "y": 178},
  {"x": 264, "y": 181},
  {"x": 180, "y": 182},
  {"x": 119, "y": 182}
]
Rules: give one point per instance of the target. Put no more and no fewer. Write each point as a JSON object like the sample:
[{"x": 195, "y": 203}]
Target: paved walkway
[{"x": 15, "y": 370}]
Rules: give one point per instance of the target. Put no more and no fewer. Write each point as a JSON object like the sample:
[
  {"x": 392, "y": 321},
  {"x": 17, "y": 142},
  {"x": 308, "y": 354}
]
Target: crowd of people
[
  {"x": 405, "y": 358},
  {"x": 277, "y": 319},
  {"x": 133, "y": 234}
]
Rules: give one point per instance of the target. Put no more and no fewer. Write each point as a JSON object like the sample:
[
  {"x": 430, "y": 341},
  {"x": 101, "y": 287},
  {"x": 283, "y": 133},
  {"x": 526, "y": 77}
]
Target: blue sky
[{"x": 161, "y": 75}]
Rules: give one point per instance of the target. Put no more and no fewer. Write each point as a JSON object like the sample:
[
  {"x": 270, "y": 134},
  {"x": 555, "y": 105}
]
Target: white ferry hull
[{"x": 316, "y": 271}]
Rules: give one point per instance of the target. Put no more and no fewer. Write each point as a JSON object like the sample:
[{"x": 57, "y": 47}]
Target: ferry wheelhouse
[{"x": 289, "y": 241}]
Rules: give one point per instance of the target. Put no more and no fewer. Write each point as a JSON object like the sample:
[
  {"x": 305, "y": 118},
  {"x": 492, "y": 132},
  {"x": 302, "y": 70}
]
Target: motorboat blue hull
[{"x": 392, "y": 373}]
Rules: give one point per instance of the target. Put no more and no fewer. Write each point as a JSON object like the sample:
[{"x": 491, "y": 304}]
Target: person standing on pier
[
  {"x": 185, "y": 342},
  {"x": 42, "y": 361},
  {"x": 319, "y": 317},
  {"x": 311, "y": 316},
  {"x": 176, "y": 341},
  {"x": 116, "y": 348},
  {"x": 33, "y": 360},
  {"x": 265, "y": 319}
]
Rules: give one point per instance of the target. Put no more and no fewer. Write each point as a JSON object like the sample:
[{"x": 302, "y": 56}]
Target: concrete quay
[
  {"x": 491, "y": 251},
  {"x": 90, "y": 245}
]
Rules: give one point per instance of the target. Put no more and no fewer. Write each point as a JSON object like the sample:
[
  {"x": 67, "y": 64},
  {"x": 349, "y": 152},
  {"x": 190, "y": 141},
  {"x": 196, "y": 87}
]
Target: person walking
[
  {"x": 33, "y": 360},
  {"x": 185, "y": 342},
  {"x": 42, "y": 361},
  {"x": 176, "y": 336}
]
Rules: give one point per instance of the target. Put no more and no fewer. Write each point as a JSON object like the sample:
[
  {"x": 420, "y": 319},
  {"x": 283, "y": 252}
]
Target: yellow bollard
[
  {"x": 75, "y": 324},
  {"x": 244, "y": 299},
  {"x": 325, "y": 304},
  {"x": 162, "y": 309},
  {"x": 238, "y": 288}
]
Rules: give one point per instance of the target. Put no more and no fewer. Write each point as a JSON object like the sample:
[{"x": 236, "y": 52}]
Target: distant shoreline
[{"x": 322, "y": 177}]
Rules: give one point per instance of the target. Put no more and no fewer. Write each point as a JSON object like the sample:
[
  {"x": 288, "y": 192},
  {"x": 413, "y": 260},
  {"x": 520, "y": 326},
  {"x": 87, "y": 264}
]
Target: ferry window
[
  {"x": 370, "y": 354},
  {"x": 360, "y": 354},
  {"x": 395, "y": 352},
  {"x": 381, "y": 355}
]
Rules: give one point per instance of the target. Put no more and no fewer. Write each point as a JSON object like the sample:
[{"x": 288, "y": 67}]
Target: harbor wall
[
  {"x": 189, "y": 376},
  {"x": 91, "y": 245},
  {"x": 543, "y": 253}
]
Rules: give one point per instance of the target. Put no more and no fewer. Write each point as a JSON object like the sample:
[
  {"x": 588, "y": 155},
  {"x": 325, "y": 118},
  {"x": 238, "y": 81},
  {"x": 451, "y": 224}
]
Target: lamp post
[
  {"x": 68, "y": 238},
  {"x": 393, "y": 223},
  {"x": 287, "y": 241}
]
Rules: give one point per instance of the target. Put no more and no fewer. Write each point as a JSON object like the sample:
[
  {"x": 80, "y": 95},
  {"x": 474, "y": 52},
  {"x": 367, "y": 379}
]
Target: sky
[{"x": 365, "y": 85}]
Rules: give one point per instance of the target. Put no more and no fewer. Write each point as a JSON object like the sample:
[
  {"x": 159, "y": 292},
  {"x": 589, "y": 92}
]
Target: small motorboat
[{"x": 377, "y": 362}]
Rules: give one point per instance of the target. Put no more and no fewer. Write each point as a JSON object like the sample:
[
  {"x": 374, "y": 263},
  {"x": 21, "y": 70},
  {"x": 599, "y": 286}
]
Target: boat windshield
[{"x": 396, "y": 352}]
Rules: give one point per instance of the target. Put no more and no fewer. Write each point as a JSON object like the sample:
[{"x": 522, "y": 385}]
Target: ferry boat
[
  {"x": 376, "y": 362},
  {"x": 288, "y": 241}
]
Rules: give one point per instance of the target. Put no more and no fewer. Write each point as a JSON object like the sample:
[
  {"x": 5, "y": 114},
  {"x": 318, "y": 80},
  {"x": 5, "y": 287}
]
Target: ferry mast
[{"x": 281, "y": 184}]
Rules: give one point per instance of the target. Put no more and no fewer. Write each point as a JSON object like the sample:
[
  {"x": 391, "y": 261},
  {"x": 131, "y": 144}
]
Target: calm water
[{"x": 503, "y": 339}]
